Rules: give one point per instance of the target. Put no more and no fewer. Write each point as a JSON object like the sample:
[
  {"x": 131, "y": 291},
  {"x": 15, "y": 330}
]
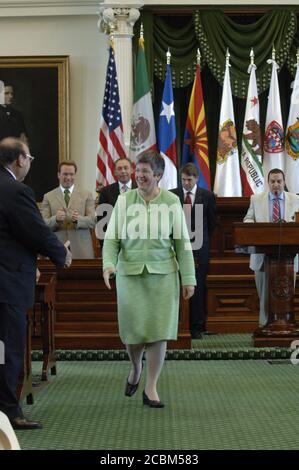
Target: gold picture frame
[{"x": 41, "y": 96}]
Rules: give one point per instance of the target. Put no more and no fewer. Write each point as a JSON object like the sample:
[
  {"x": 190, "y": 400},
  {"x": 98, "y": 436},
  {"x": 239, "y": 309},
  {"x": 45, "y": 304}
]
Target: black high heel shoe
[
  {"x": 130, "y": 389},
  {"x": 151, "y": 403}
]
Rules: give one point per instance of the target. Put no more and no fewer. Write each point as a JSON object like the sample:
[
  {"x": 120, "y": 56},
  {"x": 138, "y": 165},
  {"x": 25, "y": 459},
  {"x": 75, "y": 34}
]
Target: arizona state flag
[{"x": 195, "y": 147}]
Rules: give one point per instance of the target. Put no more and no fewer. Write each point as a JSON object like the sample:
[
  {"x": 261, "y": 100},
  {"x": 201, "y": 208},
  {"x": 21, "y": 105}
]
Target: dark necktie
[
  {"x": 124, "y": 188},
  {"x": 187, "y": 206},
  {"x": 276, "y": 210},
  {"x": 188, "y": 199},
  {"x": 67, "y": 196}
]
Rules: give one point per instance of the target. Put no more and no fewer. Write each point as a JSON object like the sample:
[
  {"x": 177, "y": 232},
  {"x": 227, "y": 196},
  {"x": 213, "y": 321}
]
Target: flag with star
[
  {"x": 195, "y": 148},
  {"x": 167, "y": 135},
  {"x": 252, "y": 175},
  {"x": 111, "y": 138}
]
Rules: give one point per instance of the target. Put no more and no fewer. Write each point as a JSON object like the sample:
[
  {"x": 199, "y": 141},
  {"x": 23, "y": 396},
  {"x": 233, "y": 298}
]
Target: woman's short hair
[{"x": 154, "y": 159}]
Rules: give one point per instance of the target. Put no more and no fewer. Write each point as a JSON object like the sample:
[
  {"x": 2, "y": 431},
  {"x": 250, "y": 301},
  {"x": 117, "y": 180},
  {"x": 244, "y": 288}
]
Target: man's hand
[
  {"x": 74, "y": 216},
  {"x": 68, "y": 258},
  {"x": 60, "y": 215},
  {"x": 107, "y": 275},
  {"x": 188, "y": 291}
]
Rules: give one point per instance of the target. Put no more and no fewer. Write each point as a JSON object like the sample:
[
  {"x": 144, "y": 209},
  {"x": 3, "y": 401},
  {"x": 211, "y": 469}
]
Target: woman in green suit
[{"x": 146, "y": 246}]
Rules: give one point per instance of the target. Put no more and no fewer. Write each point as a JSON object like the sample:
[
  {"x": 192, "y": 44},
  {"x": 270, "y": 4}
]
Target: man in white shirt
[
  {"x": 270, "y": 206},
  {"x": 69, "y": 212},
  {"x": 191, "y": 194},
  {"x": 123, "y": 170}
]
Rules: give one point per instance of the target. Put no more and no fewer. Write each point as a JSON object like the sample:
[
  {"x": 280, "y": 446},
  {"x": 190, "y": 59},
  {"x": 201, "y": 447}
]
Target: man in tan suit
[{"x": 69, "y": 212}]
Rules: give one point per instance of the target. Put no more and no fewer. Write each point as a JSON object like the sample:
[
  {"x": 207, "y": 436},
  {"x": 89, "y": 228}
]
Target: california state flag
[
  {"x": 292, "y": 140},
  {"x": 227, "y": 179},
  {"x": 273, "y": 140},
  {"x": 251, "y": 159},
  {"x": 143, "y": 134}
]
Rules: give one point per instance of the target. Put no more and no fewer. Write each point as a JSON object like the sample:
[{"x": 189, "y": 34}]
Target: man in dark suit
[
  {"x": 11, "y": 120},
  {"x": 23, "y": 235},
  {"x": 123, "y": 170},
  {"x": 190, "y": 195}
]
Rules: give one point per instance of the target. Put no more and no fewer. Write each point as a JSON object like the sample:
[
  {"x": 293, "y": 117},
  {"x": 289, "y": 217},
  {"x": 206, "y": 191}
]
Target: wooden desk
[{"x": 44, "y": 320}]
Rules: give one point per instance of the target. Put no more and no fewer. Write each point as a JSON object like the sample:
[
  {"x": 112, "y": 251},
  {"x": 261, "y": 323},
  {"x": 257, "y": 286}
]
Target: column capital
[{"x": 119, "y": 17}]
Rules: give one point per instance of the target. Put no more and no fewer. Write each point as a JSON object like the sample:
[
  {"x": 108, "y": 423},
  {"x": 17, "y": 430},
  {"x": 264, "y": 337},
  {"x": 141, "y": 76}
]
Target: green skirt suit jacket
[{"x": 149, "y": 245}]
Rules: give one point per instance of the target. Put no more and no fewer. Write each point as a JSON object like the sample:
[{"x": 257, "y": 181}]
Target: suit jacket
[
  {"x": 23, "y": 235},
  {"x": 207, "y": 199},
  {"x": 108, "y": 195},
  {"x": 259, "y": 212},
  {"x": 78, "y": 233},
  {"x": 159, "y": 254}
]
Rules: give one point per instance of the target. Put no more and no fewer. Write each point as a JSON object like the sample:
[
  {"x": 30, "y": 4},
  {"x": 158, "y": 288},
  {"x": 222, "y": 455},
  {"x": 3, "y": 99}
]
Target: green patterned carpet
[
  {"x": 209, "y": 405},
  {"x": 215, "y": 347}
]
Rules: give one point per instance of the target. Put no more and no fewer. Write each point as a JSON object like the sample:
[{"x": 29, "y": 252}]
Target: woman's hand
[
  {"x": 188, "y": 291},
  {"x": 108, "y": 274}
]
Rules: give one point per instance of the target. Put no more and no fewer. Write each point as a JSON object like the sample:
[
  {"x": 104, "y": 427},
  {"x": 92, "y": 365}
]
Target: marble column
[{"x": 120, "y": 20}]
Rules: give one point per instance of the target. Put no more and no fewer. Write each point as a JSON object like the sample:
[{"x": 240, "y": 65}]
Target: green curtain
[
  {"x": 159, "y": 35},
  {"x": 213, "y": 31},
  {"x": 216, "y": 31}
]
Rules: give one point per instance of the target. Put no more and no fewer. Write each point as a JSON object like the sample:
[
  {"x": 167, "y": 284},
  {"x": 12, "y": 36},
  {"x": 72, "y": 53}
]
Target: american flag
[{"x": 111, "y": 138}]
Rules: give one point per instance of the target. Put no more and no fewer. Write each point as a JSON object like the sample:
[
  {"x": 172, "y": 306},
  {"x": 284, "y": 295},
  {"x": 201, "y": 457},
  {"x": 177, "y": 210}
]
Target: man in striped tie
[{"x": 275, "y": 205}]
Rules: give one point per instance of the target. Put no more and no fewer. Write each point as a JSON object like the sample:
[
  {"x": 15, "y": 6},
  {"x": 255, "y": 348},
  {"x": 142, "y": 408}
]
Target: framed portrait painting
[{"x": 35, "y": 107}]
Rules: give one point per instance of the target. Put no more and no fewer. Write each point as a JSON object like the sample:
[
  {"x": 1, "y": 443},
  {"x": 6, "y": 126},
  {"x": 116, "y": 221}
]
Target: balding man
[{"x": 23, "y": 235}]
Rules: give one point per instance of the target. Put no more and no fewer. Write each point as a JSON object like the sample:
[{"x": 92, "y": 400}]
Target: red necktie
[
  {"x": 188, "y": 199},
  {"x": 276, "y": 210}
]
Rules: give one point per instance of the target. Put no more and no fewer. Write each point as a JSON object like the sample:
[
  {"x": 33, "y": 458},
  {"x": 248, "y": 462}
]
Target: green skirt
[{"x": 148, "y": 307}]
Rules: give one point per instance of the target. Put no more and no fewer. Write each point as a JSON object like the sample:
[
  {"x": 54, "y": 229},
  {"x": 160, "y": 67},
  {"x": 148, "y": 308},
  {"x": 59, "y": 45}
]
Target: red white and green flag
[{"x": 143, "y": 134}]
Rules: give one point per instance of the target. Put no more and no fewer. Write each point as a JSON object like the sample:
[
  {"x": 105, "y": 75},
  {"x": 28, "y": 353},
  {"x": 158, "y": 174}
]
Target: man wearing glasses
[{"x": 23, "y": 235}]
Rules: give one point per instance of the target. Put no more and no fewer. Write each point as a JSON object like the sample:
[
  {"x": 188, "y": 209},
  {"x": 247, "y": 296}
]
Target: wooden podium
[{"x": 280, "y": 243}]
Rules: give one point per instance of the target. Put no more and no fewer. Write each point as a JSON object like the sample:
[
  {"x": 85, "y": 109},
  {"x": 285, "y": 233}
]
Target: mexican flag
[{"x": 143, "y": 134}]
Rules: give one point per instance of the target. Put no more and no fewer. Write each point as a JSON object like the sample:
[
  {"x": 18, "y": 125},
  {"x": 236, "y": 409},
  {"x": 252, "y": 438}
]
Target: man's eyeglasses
[{"x": 31, "y": 158}]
